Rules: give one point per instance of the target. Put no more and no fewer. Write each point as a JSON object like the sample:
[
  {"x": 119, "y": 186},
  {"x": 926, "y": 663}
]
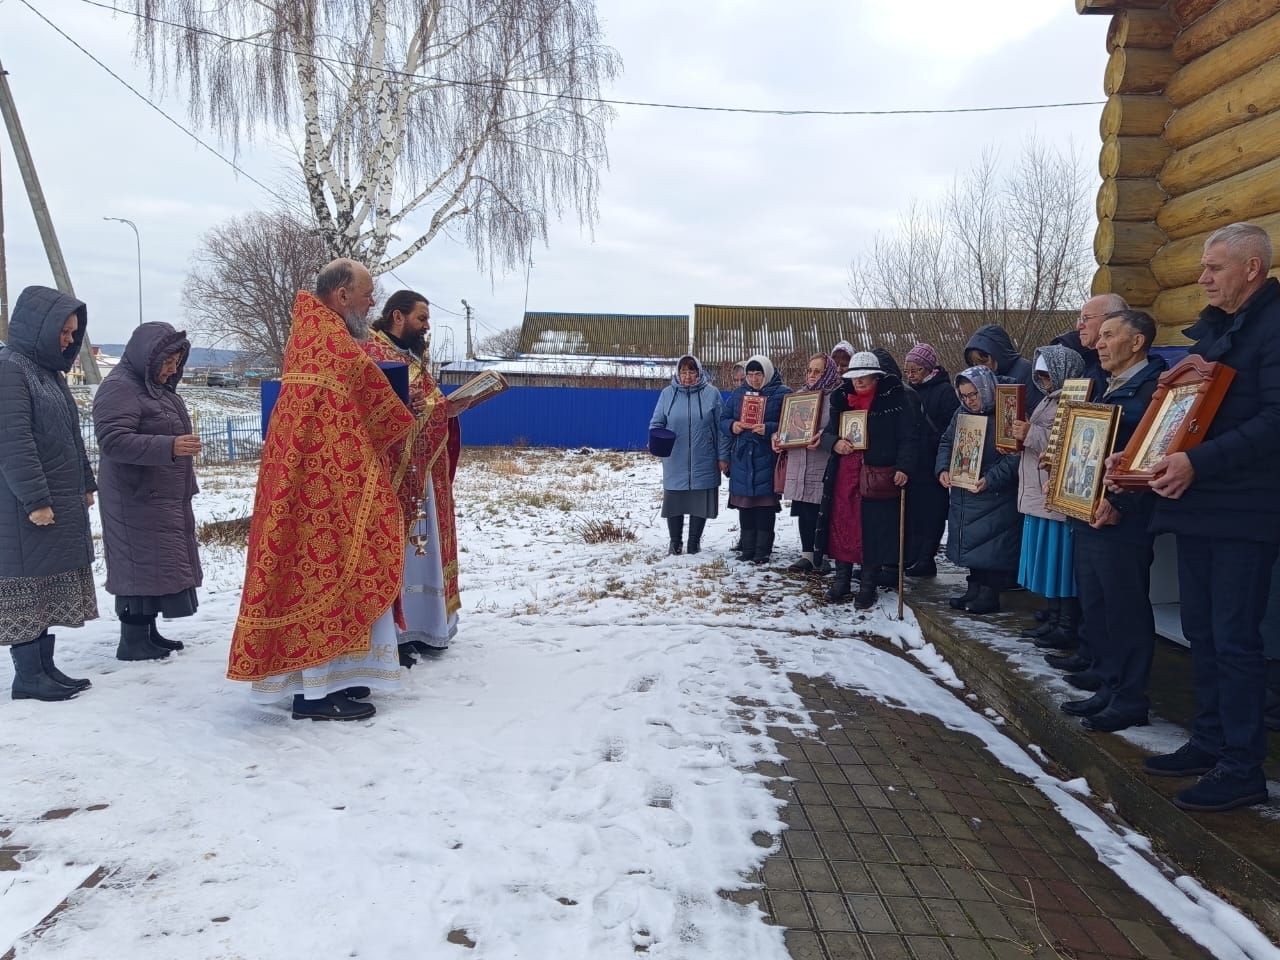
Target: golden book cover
[{"x": 485, "y": 384}]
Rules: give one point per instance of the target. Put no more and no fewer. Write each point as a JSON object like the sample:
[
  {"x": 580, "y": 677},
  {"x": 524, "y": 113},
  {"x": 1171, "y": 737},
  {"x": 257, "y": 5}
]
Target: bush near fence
[{"x": 222, "y": 439}]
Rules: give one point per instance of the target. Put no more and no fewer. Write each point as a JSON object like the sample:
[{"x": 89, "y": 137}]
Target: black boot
[
  {"x": 675, "y": 527},
  {"x": 966, "y": 598},
  {"x": 987, "y": 601},
  {"x": 1063, "y": 636},
  {"x": 135, "y": 641},
  {"x": 839, "y": 588},
  {"x": 866, "y": 598},
  {"x": 696, "y": 526},
  {"x": 764, "y": 544},
  {"x": 748, "y": 541},
  {"x": 1053, "y": 610},
  {"x": 30, "y": 682},
  {"x": 163, "y": 642},
  {"x": 45, "y": 641}
]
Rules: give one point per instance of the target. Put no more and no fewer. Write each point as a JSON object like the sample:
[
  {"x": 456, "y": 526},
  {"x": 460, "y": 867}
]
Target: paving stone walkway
[{"x": 908, "y": 841}]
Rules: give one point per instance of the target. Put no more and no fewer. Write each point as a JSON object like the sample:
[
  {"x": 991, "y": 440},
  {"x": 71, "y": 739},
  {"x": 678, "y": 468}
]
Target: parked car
[{"x": 222, "y": 380}]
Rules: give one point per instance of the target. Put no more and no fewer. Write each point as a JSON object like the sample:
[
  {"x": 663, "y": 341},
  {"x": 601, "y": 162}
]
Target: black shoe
[
  {"x": 30, "y": 682},
  {"x": 922, "y": 569},
  {"x": 675, "y": 527},
  {"x": 1048, "y": 619},
  {"x": 1085, "y": 680},
  {"x": 1056, "y": 640},
  {"x": 1086, "y": 708},
  {"x": 966, "y": 598},
  {"x": 764, "y": 546},
  {"x": 1217, "y": 791},
  {"x": 803, "y": 565},
  {"x": 163, "y": 643},
  {"x": 747, "y": 545},
  {"x": 1042, "y": 616},
  {"x": 866, "y": 596},
  {"x": 675, "y": 548},
  {"x": 696, "y": 526},
  {"x": 1070, "y": 662},
  {"x": 987, "y": 601},
  {"x": 839, "y": 589},
  {"x": 333, "y": 707},
  {"x": 1186, "y": 761},
  {"x": 407, "y": 659},
  {"x": 45, "y": 641},
  {"x": 1109, "y": 721},
  {"x": 356, "y": 693},
  {"x": 135, "y": 643}
]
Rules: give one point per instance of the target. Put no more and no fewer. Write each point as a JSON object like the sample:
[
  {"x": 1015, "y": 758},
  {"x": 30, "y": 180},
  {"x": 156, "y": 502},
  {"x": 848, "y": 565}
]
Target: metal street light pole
[{"x": 137, "y": 240}]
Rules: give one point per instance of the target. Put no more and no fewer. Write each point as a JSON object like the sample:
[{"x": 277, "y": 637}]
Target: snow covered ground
[{"x": 572, "y": 779}]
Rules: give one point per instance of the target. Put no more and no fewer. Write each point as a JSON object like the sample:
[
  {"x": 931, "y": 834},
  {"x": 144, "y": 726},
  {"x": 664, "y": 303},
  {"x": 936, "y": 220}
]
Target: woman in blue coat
[
  {"x": 690, "y": 408},
  {"x": 752, "y": 460}
]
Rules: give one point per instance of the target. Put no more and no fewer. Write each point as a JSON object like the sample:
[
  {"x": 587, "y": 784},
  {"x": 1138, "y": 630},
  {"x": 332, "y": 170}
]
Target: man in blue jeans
[{"x": 1222, "y": 501}]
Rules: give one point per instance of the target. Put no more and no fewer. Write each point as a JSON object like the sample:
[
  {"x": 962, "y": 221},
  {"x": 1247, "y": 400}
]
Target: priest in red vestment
[
  {"x": 327, "y": 535},
  {"x": 422, "y": 467}
]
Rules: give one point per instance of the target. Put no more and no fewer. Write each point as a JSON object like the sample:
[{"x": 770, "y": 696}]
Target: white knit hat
[{"x": 863, "y": 364}]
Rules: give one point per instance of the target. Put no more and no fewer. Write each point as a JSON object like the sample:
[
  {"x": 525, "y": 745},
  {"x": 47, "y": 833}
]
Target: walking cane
[{"x": 902, "y": 543}]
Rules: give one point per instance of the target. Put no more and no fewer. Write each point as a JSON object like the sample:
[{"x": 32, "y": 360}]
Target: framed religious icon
[
  {"x": 1176, "y": 420},
  {"x": 853, "y": 428},
  {"x": 1011, "y": 405},
  {"x": 1075, "y": 480},
  {"x": 966, "y": 451},
  {"x": 798, "y": 424},
  {"x": 1079, "y": 390},
  {"x": 752, "y": 412}
]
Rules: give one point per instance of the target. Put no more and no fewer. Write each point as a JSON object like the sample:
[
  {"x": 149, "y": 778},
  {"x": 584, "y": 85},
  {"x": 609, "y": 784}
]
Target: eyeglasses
[{"x": 970, "y": 395}]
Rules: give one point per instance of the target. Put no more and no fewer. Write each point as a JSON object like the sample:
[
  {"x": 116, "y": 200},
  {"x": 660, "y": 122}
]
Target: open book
[{"x": 486, "y": 384}]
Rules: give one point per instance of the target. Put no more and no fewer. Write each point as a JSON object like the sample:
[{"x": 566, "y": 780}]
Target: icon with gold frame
[
  {"x": 967, "y": 444},
  {"x": 853, "y": 428},
  {"x": 798, "y": 424},
  {"x": 1075, "y": 479}
]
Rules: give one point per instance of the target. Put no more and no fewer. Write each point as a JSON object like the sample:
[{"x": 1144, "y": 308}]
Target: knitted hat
[{"x": 923, "y": 355}]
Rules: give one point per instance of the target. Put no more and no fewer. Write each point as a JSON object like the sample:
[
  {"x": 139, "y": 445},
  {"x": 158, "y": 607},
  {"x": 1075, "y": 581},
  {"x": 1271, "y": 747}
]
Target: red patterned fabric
[
  {"x": 327, "y": 534},
  {"x": 844, "y": 539}
]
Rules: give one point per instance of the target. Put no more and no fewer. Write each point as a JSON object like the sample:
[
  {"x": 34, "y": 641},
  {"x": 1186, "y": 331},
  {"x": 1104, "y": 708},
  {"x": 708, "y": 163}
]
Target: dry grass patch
[
  {"x": 540, "y": 500},
  {"x": 604, "y": 531},
  {"x": 225, "y": 533}
]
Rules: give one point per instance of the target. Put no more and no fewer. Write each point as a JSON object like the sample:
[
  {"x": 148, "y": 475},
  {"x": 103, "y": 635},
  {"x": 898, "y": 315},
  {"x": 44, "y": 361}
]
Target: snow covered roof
[{"x": 605, "y": 335}]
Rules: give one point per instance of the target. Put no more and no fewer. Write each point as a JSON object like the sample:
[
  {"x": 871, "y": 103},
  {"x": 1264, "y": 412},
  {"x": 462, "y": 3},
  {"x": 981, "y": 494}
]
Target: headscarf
[
  {"x": 844, "y": 345},
  {"x": 764, "y": 363},
  {"x": 1061, "y": 363},
  {"x": 984, "y": 381},
  {"x": 830, "y": 378},
  {"x": 703, "y": 378}
]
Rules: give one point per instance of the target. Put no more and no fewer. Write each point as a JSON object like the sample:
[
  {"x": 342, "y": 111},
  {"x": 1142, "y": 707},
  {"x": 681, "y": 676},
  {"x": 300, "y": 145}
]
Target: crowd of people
[
  {"x": 352, "y": 569},
  {"x": 1221, "y": 500}
]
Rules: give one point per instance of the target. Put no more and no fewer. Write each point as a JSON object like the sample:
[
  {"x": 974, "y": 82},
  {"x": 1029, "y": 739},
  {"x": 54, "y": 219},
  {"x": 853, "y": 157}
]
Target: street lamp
[{"x": 137, "y": 240}]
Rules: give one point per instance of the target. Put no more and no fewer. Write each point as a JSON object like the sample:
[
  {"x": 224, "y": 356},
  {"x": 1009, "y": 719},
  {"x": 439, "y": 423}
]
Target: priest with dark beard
[{"x": 324, "y": 570}]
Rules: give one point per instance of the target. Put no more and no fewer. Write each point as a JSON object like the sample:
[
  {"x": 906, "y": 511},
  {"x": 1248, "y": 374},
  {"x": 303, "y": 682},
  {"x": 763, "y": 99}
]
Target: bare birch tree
[
  {"x": 409, "y": 118},
  {"x": 1012, "y": 244},
  {"x": 244, "y": 276}
]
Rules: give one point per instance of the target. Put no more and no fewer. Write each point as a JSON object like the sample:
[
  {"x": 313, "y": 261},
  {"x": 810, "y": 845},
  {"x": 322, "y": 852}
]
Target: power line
[{"x": 705, "y": 108}]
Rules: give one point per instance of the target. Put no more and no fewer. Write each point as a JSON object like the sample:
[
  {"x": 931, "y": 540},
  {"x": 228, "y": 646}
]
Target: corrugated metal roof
[
  {"x": 661, "y": 336},
  {"x": 569, "y": 366},
  {"x": 724, "y": 335}
]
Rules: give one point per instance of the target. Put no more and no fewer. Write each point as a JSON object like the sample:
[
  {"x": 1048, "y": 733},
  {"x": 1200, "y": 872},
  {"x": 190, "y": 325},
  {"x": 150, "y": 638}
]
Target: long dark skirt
[
  {"x": 927, "y": 505},
  {"x": 171, "y": 606},
  {"x": 879, "y": 532}
]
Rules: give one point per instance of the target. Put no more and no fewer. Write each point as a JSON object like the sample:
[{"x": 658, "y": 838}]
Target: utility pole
[
  {"x": 41, "y": 211},
  {"x": 470, "y": 351}
]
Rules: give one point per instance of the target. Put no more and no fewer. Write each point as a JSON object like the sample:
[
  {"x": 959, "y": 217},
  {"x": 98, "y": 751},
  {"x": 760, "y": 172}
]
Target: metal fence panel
[
  {"x": 223, "y": 440},
  {"x": 562, "y": 417}
]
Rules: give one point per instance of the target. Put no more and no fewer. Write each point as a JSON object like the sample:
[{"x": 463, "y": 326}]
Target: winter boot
[
  {"x": 804, "y": 564},
  {"x": 45, "y": 640},
  {"x": 764, "y": 544},
  {"x": 135, "y": 641},
  {"x": 839, "y": 588},
  {"x": 923, "y": 569},
  {"x": 1053, "y": 610},
  {"x": 30, "y": 682},
  {"x": 748, "y": 544},
  {"x": 1063, "y": 636},
  {"x": 1271, "y": 717},
  {"x": 987, "y": 601},
  {"x": 163, "y": 642},
  {"x": 675, "y": 527},
  {"x": 866, "y": 597},
  {"x": 966, "y": 598},
  {"x": 696, "y": 526}
]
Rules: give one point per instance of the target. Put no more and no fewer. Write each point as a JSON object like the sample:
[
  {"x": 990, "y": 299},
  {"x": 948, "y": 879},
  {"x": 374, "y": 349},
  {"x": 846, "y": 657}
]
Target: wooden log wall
[{"x": 1190, "y": 142}]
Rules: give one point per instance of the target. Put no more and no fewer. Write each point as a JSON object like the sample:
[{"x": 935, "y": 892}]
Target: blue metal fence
[{"x": 603, "y": 418}]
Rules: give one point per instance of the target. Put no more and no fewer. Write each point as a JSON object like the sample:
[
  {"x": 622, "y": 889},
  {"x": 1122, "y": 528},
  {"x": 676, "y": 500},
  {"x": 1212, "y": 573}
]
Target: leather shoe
[
  {"x": 333, "y": 707},
  {"x": 1187, "y": 761},
  {"x": 1070, "y": 662},
  {"x": 1109, "y": 721},
  {"x": 356, "y": 693},
  {"x": 1084, "y": 680},
  {"x": 1218, "y": 790},
  {"x": 1086, "y": 708}
]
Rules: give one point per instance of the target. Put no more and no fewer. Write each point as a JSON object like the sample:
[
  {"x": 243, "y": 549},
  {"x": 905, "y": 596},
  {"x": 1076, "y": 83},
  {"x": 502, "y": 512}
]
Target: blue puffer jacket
[
  {"x": 693, "y": 415},
  {"x": 751, "y": 460}
]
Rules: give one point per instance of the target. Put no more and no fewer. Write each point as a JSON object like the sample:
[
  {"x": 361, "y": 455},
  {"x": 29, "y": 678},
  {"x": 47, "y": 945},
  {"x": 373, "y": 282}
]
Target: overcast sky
[{"x": 695, "y": 207}]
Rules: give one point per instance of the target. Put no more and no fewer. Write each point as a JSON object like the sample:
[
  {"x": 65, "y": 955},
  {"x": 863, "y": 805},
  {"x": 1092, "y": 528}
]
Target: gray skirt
[
  {"x": 694, "y": 503},
  {"x": 31, "y": 605}
]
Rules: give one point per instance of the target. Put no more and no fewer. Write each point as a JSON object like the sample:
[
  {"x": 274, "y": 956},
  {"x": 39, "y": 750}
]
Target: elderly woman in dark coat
[
  {"x": 927, "y": 503},
  {"x": 854, "y": 527},
  {"x": 752, "y": 460},
  {"x": 147, "y": 480},
  {"x": 984, "y": 529},
  {"x": 46, "y": 489}
]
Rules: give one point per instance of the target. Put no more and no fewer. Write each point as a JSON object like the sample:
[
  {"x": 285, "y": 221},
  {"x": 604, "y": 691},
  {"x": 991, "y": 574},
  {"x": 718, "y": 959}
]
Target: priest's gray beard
[{"x": 357, "y": 326}]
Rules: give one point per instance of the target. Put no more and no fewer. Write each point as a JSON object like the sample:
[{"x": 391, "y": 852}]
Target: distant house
[
  {"x": 637, "y": 351},
  {"x": 725, "y": 335}
]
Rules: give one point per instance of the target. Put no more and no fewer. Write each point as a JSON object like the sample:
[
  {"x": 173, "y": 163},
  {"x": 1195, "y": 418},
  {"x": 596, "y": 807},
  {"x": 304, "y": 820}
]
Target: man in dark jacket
[
  {"x": 1113, "y": 555},
  {"x": 1084, "y": 338},
  {"x": 1222, "y": 501},
  {"x": 991, "y": 347}
]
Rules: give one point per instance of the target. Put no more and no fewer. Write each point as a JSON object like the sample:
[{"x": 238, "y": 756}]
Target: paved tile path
[{"x": 907, "y": 840}]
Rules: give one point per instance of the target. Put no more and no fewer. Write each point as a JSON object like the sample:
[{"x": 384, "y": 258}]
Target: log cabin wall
[{"x": 1190, "y": 143}]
